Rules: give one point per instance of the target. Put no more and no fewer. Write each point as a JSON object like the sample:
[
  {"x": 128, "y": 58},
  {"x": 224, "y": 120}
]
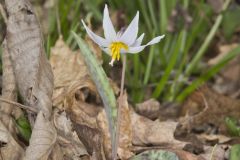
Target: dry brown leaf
[
  {"x": 223, "y": 51},
  {"x": 11, "y": 150},
  {"x": 103, "y": 126},
  {"x": 25, "y": 45},
  {"x": 125, "y": 130},
  {"x": 219, "y": 152},
  {"x": 42, "y": 140},
  {"x": 69, "y": 143},
  {"x": 84, "y": 123},
  {"x": 149, "y": 109},
  {"x": 9, "y": 92},
  {"x": 208, "y": 138},
  {"x": 125, "y": 135},
  {"x": 205, "y": 106},
  {"x": 70, "y": 74},
  {"x": 148, "y": 132},
  {"x": 92, "y": 139},
  {"x": 9, "y": 88},
  {"x": 57, "y": 153},
  {"x": 228, "y": 81}
]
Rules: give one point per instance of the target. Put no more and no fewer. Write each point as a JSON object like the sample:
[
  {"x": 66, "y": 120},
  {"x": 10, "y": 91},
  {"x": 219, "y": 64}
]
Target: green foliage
[
  {"x": 168, "y": 68},
  {"x": 235, "y": 152},
  {"x": 232, "y": 126},
  {"x": 102, "y": 83},
  {"x": 230, "y": 22},
  {"x": 24, "y": 128}
]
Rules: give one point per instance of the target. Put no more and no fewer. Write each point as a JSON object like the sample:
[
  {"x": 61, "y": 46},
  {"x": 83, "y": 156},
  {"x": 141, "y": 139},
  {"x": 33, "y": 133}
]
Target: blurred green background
[{"x": 170, "y": 70}]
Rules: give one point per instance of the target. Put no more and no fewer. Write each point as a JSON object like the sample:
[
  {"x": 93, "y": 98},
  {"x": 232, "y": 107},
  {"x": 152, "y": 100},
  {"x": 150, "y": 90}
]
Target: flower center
[{"x": 115, "y": 48}]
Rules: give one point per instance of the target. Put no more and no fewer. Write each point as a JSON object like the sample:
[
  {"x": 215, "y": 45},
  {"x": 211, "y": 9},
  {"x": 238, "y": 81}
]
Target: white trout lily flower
[{"x": 120, "y": 42}]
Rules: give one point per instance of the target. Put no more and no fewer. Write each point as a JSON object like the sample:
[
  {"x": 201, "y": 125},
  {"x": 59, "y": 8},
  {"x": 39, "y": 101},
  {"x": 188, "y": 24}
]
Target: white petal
[
  {"x": 108, "y": 28},
  {"x": 97, "y": 39},
  {"x": 138, "y": 42},
  {"x": 130, "y": 35},
  {"x": 140, "y": 48}
]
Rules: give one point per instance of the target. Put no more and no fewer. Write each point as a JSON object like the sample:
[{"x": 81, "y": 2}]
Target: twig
[
  {"x": 3, "y": 13},
  {"x": 119, "y": 108},
  {"x": 19, "y": 105},
  {"x": 214, "y": 148}
]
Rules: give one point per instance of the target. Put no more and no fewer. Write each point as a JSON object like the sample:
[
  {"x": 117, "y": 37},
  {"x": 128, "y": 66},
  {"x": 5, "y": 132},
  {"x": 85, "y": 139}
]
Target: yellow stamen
[{"x": 115, "y": 48}]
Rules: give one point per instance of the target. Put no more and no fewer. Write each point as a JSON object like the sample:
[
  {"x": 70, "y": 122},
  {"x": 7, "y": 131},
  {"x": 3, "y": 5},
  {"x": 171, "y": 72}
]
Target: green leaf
[
  {"x": 206, "y": 42},
  {"x": 172, "y": 62},
  {"x": 232, "y": 126},
  {"x": 102, "y": 83},
  {"x": 230, "y": 24},
  {"x": 156, "y": 155},
  {"x": 209, "y": 74},
  {"x": 24, "y": 128},
  {"x": 235, "y": 152}
]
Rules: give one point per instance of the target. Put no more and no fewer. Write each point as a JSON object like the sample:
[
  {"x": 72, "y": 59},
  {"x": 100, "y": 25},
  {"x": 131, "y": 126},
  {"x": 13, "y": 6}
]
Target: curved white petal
[
  {"x": 130, "y": 35},
  {"x": 138, "y": 42},
  {"x": 97, "y": 39},
  {"x": 109, "y": 31},
  {"x": 140, "y": 48}
]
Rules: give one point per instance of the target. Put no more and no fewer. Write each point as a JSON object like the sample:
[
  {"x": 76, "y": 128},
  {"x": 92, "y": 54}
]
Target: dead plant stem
[{"x": 19, "y": 105}]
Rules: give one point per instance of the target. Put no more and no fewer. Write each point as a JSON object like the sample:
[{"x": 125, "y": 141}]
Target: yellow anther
[{"x": 115, "y": 48}]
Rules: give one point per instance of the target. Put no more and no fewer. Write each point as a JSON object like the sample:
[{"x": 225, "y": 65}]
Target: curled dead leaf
[
  {"x": 9, "y": 88},
  {"x": 68, "y": 141},
  {"x": 84, "y": 121},
  {"x": 9, "y": 92},
  {"x": 205, "y": 106},
  {"x": 149, "y": 109},
  {"x": 148, "y": 132},
  {"x": 218, "y": 152},
  {"x": 25, "y": 45},
  {"x": 70, "y": 75},
  {"x": 10, "y": 150},
  {"x": 43, "y": 139}
]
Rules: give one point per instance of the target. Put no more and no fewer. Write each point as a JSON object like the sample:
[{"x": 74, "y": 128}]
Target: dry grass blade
[
  {"x": 24, "y": 41},
  {"x": 42, "y": 140}
]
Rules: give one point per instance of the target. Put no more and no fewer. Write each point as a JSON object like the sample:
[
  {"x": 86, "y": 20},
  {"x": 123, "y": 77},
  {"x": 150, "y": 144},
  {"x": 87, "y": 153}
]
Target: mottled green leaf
[{"x": 156, "y": 155}]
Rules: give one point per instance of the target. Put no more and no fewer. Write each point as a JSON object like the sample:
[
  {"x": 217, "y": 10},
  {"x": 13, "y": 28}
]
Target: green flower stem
[{"x": 119, "y": 110}]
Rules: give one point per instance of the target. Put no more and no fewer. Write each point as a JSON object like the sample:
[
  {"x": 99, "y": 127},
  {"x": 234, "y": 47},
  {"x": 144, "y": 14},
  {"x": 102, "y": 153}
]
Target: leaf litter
[{"x": 71, "y": 122}]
